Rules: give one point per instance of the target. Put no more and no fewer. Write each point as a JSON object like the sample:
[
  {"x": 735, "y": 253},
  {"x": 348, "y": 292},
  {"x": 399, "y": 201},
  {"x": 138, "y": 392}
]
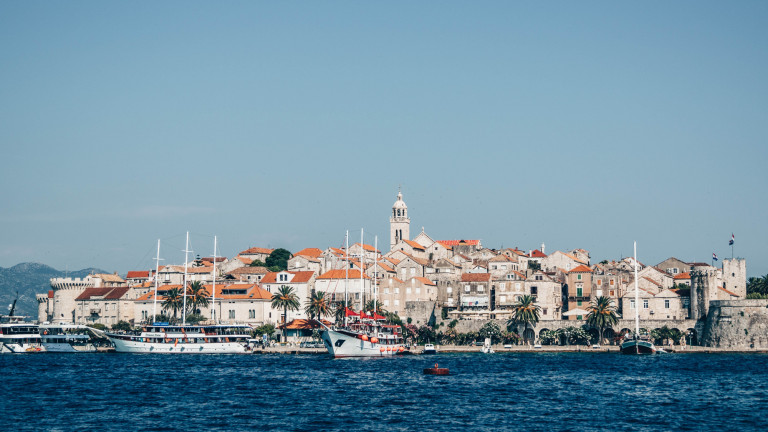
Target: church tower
[{"x": 399, "y": 223}]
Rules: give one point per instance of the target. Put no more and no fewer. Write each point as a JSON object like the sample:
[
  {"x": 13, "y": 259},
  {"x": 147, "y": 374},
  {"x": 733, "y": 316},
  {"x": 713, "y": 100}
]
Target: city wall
[{"x": 736, "y": 324}]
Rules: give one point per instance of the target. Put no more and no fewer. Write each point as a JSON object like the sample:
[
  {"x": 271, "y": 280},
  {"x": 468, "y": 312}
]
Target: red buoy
[{"x": 436, "y": 371}]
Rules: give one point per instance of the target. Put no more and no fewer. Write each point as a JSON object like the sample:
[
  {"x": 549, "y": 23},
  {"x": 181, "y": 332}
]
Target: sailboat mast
[
  {"x": 184, "y": 285},
  {"x": 375, "y": 275},
  {"x": 213, "y": 302},
  {"x": 346, "y": 276},
  {"x": 637, "y": 298},
  {"x": 362, "y": 258},
  {"x": 157, "y": 270}
]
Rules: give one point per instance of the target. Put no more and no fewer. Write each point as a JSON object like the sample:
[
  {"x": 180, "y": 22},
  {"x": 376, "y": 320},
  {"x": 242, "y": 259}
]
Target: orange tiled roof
[
  {"x": 244, "y": 260},
  {"x": 298, "y": 277},
  {"x": 110, "y": 293},
  {"x": 366, "y": 247},
  {"x": 537, "y": 254},
  {"x": 309, "y": 252},
  {"x": 425, "y": 281},
  {"x": 341, "y": 274},
  {"x": 581, "y": 269},
  {"x": 475, "y": 277},
  {"x": 729, "y": 292},
  {"x": 414, "y": 245},
  {"x": 684, "y": 275},
  {"x": 137, "y": 274},
  {"x": 257, "y": 250}
]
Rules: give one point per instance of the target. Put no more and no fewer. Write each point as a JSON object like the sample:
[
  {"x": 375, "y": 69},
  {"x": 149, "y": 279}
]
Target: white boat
[
  {"x": 637, "y": 343},
  {"x": 189, "y": 339},
  {"x": 18, "y": 336},
  {"x": 363, "y": 338},
  {"x": 67, "y": 338},
  {"x": 429, "y": 349},
  {"x": 487, "y": 347}
]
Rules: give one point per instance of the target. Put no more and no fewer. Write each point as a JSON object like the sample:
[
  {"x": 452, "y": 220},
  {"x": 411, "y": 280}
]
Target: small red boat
[{"x": 436, "y": 371}]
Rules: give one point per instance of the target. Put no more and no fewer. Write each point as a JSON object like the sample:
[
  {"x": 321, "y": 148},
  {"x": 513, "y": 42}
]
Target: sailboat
[{"x": 636, "y": 344}]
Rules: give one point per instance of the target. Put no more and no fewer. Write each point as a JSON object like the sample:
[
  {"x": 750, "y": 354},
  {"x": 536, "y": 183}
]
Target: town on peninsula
[{"x": 449, "y": 292}]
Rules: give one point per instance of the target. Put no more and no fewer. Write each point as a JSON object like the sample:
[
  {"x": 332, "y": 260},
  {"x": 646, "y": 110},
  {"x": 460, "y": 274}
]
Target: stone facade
[{"x": 737, "y": 324}]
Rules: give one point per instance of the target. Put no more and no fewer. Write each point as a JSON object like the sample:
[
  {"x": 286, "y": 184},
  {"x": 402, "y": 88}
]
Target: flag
[
  {"x": 714, "y": 256},
  {"x": 730, "y": 242}
]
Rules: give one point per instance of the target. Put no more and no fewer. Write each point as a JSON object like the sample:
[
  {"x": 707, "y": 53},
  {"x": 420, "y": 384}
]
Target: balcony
[{"x": 95, "y": 311}]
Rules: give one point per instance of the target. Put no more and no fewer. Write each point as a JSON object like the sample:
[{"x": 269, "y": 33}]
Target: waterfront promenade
[{"x": 445, "y": 349}]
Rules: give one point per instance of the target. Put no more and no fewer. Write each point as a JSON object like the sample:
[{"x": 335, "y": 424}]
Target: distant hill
[{"x": 30, "y": 279}]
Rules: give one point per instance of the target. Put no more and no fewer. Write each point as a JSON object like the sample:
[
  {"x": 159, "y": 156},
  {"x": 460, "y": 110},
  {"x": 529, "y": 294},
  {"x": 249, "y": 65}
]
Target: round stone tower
[{"x": 399, "y": 222}]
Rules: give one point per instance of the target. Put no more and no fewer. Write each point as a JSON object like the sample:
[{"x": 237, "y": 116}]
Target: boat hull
[
  {"x": 133, "y": 346},
  {"x": 21, "y": 348},
  {"x": 59, "y": 347},
  {"x": 638, "y": 347},
  {"x": 343, "y": 344}
]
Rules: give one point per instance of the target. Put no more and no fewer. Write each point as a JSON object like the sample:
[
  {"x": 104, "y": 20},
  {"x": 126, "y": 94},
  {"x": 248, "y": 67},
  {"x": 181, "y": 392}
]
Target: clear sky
[{"x": 282, "y": 124}]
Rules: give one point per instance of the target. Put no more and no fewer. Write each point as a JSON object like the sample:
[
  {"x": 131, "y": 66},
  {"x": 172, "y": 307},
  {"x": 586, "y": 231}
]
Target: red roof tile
[
  {"x": 475, "y": 277},
  {"x": 256, "y": 250},
  {"x": 414, "y": 245},
  {"x": 309, "y": 252},
  {"x": 298, "y": 277},
  {"x": 138, "y": 274},
  {"x": 581, "y": 269},
  {"x": 684, "y": 275},
  {"x": 537, "y": 254},
  {"x": 342, "y": 274}
]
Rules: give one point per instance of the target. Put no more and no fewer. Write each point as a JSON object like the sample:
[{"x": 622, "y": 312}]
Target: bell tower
[{"x": 399, "y": 223}]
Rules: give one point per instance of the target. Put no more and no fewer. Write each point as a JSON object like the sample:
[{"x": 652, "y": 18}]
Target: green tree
[
  {"x": 285, "y": 299},
  {"x": 526, "y": 312},
  {"x": 369, "y": 305},
  {"x": 534, "y": 265},
  {"x": 278, "y": 258},
  {"x": 266, "y": 329},
  {"x": 602, "y": 315},
  {"x": 198, "y": 297},
  {"x": 257, "y": 263},
  {"x": 195, "y": 319},
  {"x": 317, "y": 305},
  {"x": 173, "y": 300},
  {"x": 490, "y": 330},
  {"x": 338, "y": 312},
  {"x": 757, "y": 285},
  {"x": 122, "y": 326}
]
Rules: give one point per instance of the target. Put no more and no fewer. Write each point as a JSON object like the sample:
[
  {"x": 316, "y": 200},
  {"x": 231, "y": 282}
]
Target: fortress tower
[
  {"x": 399, "y": 223},
  {"x": 735, "y": 276}
]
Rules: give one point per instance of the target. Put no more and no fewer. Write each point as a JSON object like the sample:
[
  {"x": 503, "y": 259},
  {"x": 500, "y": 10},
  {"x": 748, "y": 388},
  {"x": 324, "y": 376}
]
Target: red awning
[
  {"x": 378, "y": 317},
  {"x": 350, "y": 312}
]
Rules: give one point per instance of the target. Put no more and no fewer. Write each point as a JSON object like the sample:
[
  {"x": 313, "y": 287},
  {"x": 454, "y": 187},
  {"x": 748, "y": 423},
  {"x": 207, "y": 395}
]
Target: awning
[{"x": 575, "y": 312}]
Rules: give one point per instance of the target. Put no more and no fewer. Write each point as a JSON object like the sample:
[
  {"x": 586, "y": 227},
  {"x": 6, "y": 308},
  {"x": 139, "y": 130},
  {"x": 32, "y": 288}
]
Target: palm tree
[
  {"x": 602, "y": 314},
  {"x": 338, "y": 312},
  {"x": 173, "y": 300},
  {"x": 369, "y": 306},
  {"x": 285, "y": 299},
  {"x": 198, "y": 296},
  {"x": 317, "y": 305},
  {"x": 526, "y": 311}
]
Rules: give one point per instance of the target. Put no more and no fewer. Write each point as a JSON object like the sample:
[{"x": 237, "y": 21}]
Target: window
[
  {"x": 449, "y": 290},
  {"x": 666, "y": 304},
  {"x": 502, "y": 299},
  {"x": 534, "y": 291},
  {"x": 386, "y": 303},
  {"x": 408, "y": 290},
  {"x": 631, "y": 304},
  {"x": 544, "y": 311},
  {"x": 539, "y": 277},
  {"x": 579, "y": 291},
  {"x": 599, "y": 282},
  {"x": 480, "y": 288},
  {"x": 386, "y": 290},
  {"x": 612, "y": 293},
  {"x": 611, "y": 282},
  {"x": 517, "y": 286},
  {"x": 397, "y": 303},
  {"x": 466, "y": 288},
  {"x": 578, "y": 277},
  {"x": 397, "y": 290},
  {"x": 413, "y": 271},
  {"x": 503, "y": 286},
  {"x": 578, "y": 303},
  {"x": 645, "y": 304},
  {"x": 578, "y": 317},
  {"x": 418, "y": 290},
  {"x": 599, "y": 293},
  {"x": 231, "y": 314},
  {"x": 252, "y": 313}
]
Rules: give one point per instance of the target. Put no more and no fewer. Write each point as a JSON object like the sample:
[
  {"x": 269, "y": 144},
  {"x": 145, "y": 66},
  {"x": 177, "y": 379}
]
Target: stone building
[
  {"x": 710, "y": 283},
  {"x": 60, "y": 307},
  {"x": 105, "y": 305},
  {"x": 399, "y": 222},
  {"x": 579, "y": 281},
  {"x": 394, "y": 293}
]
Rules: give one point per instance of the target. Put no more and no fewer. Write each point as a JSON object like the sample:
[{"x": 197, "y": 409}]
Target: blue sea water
[{"x": 503, "y": 391}]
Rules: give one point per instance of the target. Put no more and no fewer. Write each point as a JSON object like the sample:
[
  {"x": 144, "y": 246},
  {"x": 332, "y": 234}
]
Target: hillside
[{"x": 29, "y": 279}]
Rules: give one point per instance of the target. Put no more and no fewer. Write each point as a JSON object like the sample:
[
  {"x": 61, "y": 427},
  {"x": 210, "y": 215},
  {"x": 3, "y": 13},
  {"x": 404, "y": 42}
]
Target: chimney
[{"x": 542, "y": 248}]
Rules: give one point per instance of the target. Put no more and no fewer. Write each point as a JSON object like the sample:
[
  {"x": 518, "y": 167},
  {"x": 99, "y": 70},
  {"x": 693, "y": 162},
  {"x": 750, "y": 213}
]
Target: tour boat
[
  {"x": 18, "y": 336},
  {"x": 366, "y": 337},
  {"x": 637, "y": 344},
  {"x": 184, "y": 339},
  {"x": 429, "y": 349},
  {"x": 67, "y": 338}
]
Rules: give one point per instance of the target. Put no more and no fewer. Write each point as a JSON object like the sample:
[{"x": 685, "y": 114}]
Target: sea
[{"x": 484, "y": 392}]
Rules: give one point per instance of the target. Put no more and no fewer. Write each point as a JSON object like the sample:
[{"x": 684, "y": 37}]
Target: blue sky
[{"x": 283, "y": 124}]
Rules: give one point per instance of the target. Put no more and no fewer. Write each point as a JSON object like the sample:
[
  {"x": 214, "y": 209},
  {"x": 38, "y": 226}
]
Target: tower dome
[{"x": 399, "y": 223}]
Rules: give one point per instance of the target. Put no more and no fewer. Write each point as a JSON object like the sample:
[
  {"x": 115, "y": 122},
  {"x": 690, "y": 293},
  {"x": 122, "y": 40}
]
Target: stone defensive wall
[
  {"x": 736, "y": 324},
  {"x": 71, "y": 283}
]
